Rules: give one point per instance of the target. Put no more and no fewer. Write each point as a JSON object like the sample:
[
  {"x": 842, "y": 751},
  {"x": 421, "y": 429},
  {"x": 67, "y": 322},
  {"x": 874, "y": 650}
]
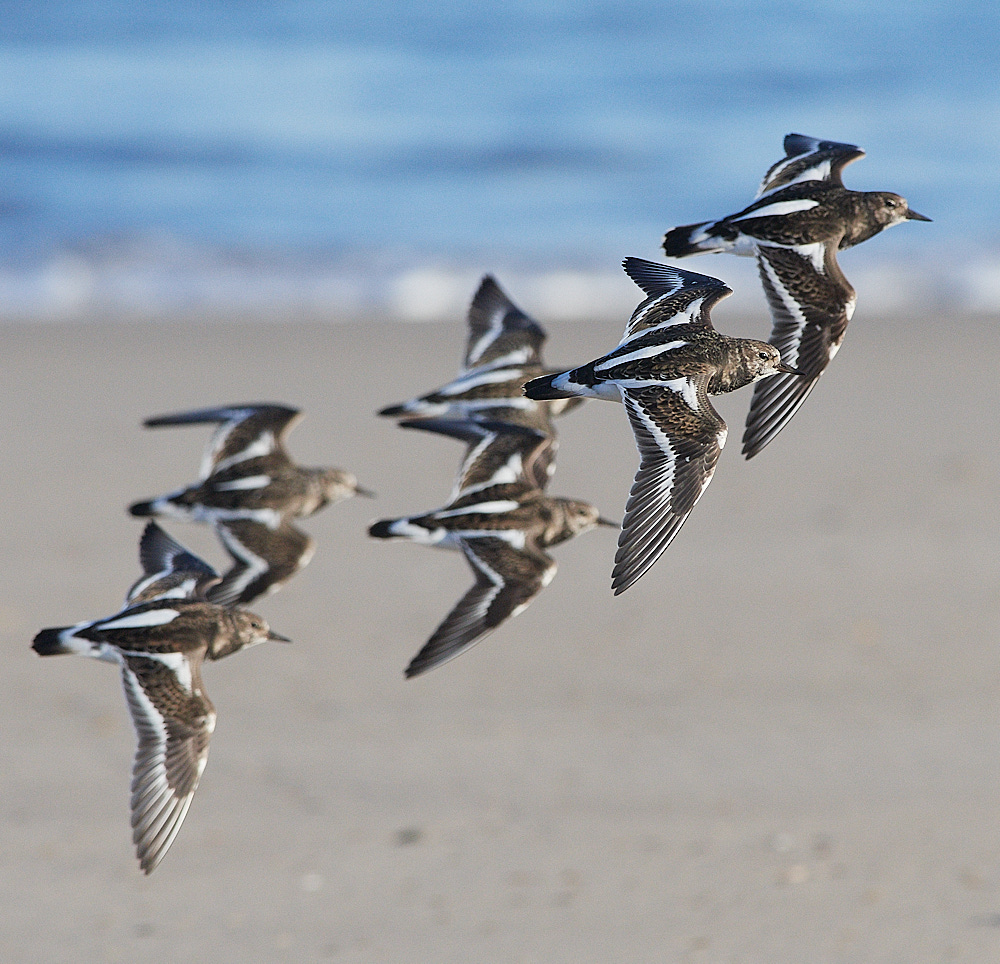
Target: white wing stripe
[
  {"x": 650, "y": 351},
  {"x": 151, "y": 617},
  {"x": 489, "y": 377},
  {"x": 501, "y": 505},
  {"x": 778, "y": 208},
  {"x": 249, "y": 482}
]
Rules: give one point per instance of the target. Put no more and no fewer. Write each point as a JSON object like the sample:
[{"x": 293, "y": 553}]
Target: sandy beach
[{"x": 781, "y": 746}]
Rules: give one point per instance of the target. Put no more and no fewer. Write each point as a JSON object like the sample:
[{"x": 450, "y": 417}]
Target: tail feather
[
  {"x": 691, "y": 239},
  {"x": 382, "y": 529},
  {"x": 49, "y": 642},
  {"x": 543, "y": 388}
]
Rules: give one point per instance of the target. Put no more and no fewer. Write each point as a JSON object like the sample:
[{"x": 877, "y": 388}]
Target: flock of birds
[{"x": 501, "y": 406}]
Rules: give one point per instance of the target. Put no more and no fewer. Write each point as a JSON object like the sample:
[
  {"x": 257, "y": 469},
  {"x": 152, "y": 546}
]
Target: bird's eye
[
  {"x": 890, "y": 203},
  {"x": 763, "y": 355}
]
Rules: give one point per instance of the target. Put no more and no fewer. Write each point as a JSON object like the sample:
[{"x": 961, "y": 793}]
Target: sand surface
[{"x": 781, "y": 746}]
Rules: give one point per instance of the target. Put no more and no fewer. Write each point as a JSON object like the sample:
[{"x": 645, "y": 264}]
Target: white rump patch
[
  {"x": 482, "y": 404},
  {"x": 266, "y": 517},
  {"x": 564, "y": 383},
  {"x": 516, "y": 538}
]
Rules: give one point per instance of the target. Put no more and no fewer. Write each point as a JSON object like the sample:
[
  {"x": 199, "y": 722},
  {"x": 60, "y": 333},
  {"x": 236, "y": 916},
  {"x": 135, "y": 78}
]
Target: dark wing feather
[
  {"x": 675, "y": 296},
  {"x": 809, "y": 159},
  {"x": 245, "y": 431},
  {"x": 499, "y": 332},
  {"x": 678, "y": 452},
  {"x": 507, "y": 579},
  {"x": 169, "y": 570},
  {"x": 264, "y": 559},
  {"x": 497, "y": 452},
  {"x": 173, "y": 726},
  {"x": 810, "y": 310}
]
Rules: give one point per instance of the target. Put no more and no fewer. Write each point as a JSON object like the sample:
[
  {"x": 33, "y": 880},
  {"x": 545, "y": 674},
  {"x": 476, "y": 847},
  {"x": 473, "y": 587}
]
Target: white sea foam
[{"x": 75, "y": 288}]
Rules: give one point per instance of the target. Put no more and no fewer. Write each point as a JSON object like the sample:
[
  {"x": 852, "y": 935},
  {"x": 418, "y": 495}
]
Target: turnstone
[
  {"x": 503, "y": 350},
  {"x": 250, "y": 489},
  {"x": 159, "y": 639},
  {"x": 802, "y": 216},
  {"x": 665, "y": 367},
  {"x": 503, "y": 522}
]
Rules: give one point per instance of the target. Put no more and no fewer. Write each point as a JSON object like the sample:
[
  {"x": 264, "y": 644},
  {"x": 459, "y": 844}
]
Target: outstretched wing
[
  {"x": 809, "y": 159},
  {"x": 173, "y": 721},
  {"x": 811, "y": 303},
  {"x": 169, "y": 570},
  {"x": 679, "y": 436},
  {"x": 499, "y": 332},
  {"x": 264, "y": 559},
  {"x": 675, "y": 296},
  {"x": 245, "y": 431},
  {"x": 507, "y": 579},
  {"x": 497, "y": 452}
]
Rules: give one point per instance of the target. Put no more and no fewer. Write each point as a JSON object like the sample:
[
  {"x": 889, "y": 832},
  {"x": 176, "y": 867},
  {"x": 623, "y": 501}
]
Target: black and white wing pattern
[
  {"x": 500, "y": 334},
  {"x": 811, "y": 303},
  {"x": 244, "y": 432},
  {"x": 173, "y": 720},
  {"x": 264, "y": 559},
  {"x": 674, "y": 297},
  {"x": 497, "y": 453},
  {"x": 169, "y": 570},
  {"x": 809, "y": 159},
  {"x": 503, "y": 350},
  {"x": 507, "y": 579},
  {"x": 679, "y": 436}
]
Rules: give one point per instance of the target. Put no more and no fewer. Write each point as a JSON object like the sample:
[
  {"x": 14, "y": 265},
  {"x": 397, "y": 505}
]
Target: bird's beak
[
  {"x": 610, "y": 523},
  {"x": 367, "y": 493},
  {"x": 788, "y": 370},
  {"x": 912, "y": 215},
  {"x": 277, "y": 637}
]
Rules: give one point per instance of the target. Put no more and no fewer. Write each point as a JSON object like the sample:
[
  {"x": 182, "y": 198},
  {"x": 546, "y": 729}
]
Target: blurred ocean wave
[
  {"x": 161, "y": 282},
  {"x": 374, "y": 160}
]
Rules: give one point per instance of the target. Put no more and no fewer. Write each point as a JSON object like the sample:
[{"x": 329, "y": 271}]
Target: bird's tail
[
  {"x": 688, "y": 239},
  {"x": 383, "y": 529},
  {"x": 50, "y": 642},
  {"x": 549, "y": 386}
]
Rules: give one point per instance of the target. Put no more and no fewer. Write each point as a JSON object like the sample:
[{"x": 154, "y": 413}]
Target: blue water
[{"x": 193, "y": 155}]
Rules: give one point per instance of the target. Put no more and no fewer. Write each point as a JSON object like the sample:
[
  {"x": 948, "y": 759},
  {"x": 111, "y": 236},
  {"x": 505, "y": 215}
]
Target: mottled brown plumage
[
  {"x": 667, "y": 364},
  {"x": 160, "y": 638},
  {"x": 802, "y": 217},
  {"x": 503, "y": 522}
]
